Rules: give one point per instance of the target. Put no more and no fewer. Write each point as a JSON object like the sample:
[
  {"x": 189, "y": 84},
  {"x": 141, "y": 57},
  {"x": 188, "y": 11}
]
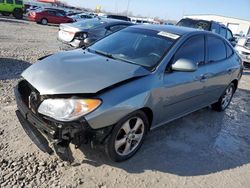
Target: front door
[{"x": 183, "y": 92}]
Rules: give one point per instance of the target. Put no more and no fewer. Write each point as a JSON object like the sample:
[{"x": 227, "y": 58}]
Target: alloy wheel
[
  {"x": 129, "y": 136},
  {"x": 227, "y": 97}
]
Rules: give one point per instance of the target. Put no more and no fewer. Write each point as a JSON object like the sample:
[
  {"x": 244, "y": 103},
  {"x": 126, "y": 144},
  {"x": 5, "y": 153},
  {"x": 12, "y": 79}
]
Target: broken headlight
[
  {"x": 81, "y": 36},
  {"x": 68, "y": 109}
]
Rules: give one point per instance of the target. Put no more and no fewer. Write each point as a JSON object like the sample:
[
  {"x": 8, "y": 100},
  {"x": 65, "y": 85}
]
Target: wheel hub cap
[{"x": 129, "y": 136}]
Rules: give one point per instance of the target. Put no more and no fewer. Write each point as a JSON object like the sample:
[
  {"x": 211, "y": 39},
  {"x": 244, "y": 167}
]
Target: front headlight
[{"x": 68, "y": 109}]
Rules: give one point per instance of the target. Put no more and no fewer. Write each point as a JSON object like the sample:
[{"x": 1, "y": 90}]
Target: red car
[{"x": 49, "y": 16}]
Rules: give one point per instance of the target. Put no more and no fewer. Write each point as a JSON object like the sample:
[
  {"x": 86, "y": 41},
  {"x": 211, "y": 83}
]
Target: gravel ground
[{"x": 203, "y": 149}]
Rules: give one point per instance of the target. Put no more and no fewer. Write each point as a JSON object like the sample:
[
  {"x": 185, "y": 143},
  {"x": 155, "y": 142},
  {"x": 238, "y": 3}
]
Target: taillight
[
  {"x": 33, "y": 14},
  {"x": 70, "y": 33}
]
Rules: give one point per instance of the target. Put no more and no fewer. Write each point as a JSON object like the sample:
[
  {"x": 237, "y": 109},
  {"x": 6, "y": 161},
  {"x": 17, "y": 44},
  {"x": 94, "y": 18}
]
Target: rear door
[
  {"x": 183, "y": 92},
  {"x": 218, "y": 65}
]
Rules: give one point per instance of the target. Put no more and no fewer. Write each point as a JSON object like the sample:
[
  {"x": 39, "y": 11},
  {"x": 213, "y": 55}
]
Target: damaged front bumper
[{"x": 45, "y": 132}]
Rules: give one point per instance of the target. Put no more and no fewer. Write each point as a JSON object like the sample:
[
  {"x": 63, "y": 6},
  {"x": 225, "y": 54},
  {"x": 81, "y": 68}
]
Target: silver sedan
[{"x": 126, "y": 84}]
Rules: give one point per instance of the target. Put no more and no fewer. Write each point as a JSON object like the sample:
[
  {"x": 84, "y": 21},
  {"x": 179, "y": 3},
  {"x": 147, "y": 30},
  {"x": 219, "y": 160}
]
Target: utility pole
[{"x": 128, "y": 6}]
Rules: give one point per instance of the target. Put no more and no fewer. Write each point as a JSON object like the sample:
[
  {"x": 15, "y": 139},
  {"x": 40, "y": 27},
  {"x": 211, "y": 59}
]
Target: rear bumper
[
  {"x": 44, "y": 132},
  {"x": 75, "y": 43},
  {"x": 33, "y": 19}
]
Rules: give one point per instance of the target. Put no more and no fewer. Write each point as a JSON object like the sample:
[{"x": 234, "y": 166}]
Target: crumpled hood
[{"x": 79, "y": 72}]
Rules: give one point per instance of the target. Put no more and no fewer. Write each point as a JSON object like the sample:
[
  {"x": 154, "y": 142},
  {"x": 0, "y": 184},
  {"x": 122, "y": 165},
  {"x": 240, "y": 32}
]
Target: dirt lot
[{"x": 204, "y": 149}]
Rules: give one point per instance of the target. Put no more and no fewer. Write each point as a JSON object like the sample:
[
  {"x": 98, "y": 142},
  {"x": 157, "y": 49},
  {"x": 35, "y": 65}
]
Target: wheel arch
[
  {"x": 149, "y": 114},
  {"x": 45, "y": 19}
]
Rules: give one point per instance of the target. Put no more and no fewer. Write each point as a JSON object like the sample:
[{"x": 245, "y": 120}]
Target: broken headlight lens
[
  {"x": 68, "y": 109},
  {"x": 81, "y": 36}
]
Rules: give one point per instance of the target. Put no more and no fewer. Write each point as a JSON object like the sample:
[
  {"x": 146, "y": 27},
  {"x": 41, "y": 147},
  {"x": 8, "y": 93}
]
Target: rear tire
[
  {"x": 18, "y": 14},
  {"x": 127, "y": 136},
  {"x": 225, "y": 99},
  {"x": 44, "y": 21}
]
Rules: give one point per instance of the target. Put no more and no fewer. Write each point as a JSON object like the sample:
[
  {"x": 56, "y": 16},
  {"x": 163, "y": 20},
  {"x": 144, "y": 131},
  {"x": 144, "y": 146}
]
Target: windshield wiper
[
  {"x": 116, "y": 57},
  {"x": 122, "y": 59},
  {"x": 101, "y": 53}
]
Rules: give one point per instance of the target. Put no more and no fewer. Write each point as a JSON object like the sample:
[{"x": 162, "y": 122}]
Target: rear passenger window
[
  {"x": 229, "y": 50},
  {"x": 193, "y": 49},
  {"x": 59, "y": 14},
  {"x": 223, "y": 32},
  {"x": 52, "y": 13},
  {"x": 229, "y": 35},
  {"x": 216, "y": 49},
  {"x": 215, "y": 28}
]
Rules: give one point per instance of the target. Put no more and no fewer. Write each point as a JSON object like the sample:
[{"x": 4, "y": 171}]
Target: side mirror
[{"x": 184, "y": 65}]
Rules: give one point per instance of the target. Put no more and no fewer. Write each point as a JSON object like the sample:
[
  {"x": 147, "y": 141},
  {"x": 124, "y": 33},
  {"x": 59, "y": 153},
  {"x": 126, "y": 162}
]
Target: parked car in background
[
  {"x": 243, "y": 48},
  {"x": 118, "y": 17},
  {"x": 49, "y": 15},
  {"x": 81, "y": 16},
  {"x": 14, "y": 7},
  {"x": 212, "y": 26},
  {"x": 33, "y": 8},
  {"x": 132, "y": 81},
  {"x": 73, "y": 13},
  {"x": 82, "y": 33}
]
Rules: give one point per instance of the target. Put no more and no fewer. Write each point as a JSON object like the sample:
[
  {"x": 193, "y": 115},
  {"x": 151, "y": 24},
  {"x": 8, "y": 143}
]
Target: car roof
[
  {"x": 169, "y": 28},
  {"x": 112, "y": 21}
]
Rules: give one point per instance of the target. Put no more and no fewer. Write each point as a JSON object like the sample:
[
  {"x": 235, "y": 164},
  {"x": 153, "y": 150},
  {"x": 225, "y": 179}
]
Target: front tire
[
  {"x": 127, "y": 136},
  {"x": 44, "y": 21},
  {"x": 225, "y": 99}
]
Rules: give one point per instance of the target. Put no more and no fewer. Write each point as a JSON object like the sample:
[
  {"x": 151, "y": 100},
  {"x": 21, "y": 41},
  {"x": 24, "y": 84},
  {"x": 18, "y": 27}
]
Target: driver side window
[{"x": 193, "y": 49}]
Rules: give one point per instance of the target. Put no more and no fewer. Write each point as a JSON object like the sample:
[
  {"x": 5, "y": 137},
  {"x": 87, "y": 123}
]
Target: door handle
[
  {"x": 229, "y": 71},
  {"x": 203, "y": 78}
]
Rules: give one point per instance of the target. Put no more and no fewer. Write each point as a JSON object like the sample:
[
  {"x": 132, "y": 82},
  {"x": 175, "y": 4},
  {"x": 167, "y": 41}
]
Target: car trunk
[{"x": 67, "y": 32}]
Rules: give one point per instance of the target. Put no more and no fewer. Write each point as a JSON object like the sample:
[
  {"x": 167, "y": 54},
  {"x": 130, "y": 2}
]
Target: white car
[{"x": 243, "y": 48}]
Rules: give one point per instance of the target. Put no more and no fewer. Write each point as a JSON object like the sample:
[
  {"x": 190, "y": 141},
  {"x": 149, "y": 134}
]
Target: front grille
[{"x": 30, "y": 96}]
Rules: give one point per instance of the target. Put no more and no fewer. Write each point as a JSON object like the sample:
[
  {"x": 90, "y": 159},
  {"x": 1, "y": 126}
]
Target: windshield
[
  {"x": 197, "y": 24},
  {"x": 138, "y": 46},
  {"x": 90, "y": 23}
]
